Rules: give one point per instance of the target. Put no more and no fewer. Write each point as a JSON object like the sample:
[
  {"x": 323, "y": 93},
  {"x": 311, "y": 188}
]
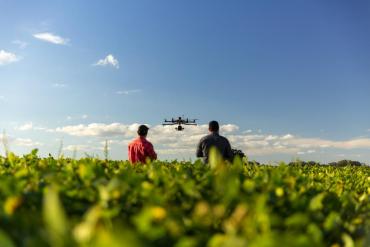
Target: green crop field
[{"x": 92, "y": 202}]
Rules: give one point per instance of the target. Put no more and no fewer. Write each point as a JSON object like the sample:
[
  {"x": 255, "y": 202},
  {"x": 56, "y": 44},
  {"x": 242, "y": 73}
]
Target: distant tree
[
  {"x": 346, "y": 163},
  {"x": 303, "y": 163}
]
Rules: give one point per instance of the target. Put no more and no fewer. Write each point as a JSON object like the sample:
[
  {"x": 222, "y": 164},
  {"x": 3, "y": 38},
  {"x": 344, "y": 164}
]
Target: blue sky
[{"x": 272, "y": 69}]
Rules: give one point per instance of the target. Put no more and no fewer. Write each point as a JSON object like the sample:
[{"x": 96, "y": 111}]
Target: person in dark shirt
[{"x": 214, "y": 140}]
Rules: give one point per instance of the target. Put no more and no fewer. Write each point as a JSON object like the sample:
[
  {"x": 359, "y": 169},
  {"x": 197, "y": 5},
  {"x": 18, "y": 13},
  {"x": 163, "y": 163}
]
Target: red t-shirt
[{"x": 140, "y": 149}]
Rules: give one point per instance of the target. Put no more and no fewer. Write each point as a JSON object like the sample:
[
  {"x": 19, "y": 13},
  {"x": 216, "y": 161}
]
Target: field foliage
[{"x": 92, "y": 202}]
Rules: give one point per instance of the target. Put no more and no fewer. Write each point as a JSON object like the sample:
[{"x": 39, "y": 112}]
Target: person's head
[
  {"x": 213, "y": 126},
  {"x": 142, "y": 130}
]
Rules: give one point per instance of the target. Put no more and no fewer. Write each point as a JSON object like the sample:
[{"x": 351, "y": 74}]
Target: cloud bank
[
  {"x": 171, "y": 144},
  {"x": 169, "y": 141}
]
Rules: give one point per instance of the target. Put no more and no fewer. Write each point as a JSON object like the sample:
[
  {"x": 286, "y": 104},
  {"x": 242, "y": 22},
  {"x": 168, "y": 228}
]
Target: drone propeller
[
  {"x": 180, "y": 121},
  {"x": 193, "y": 121}
]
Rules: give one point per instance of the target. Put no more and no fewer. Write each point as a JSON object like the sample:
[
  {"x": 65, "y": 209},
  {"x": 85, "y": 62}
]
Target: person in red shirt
[{"x": 140, "y": 149}]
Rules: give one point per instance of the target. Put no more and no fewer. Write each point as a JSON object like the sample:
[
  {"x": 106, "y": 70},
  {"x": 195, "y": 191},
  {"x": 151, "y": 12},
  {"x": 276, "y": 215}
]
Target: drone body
[{"x": 180, "y": 122}]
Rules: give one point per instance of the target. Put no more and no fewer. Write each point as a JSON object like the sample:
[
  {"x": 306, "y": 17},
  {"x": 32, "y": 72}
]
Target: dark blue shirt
[{"x": 217, "y": 141}]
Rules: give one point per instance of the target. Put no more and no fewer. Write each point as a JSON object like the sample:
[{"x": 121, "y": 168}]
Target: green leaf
[
  {"x": 54, "y": 217},
  {"x": 5, "y": 241}
]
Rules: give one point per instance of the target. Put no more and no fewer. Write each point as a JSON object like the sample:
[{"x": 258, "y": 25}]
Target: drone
[{"x": 179, "y": 122}]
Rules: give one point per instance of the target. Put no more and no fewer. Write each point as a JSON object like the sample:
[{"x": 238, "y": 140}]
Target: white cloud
[
  {"x": 20, "y": 44},
  {"x": 228, "y": 128},
  {"x": 84, "y": 116},
  {"x": 59, "y": 85},
  {"x": 31, "y": 126},
  {"x": 178, "y": 151},
  {"x": 306, "y": 152},
  {"x": 80, "y": 148},
  {"x": 2, "y": 98},
  {"x": 108, "y": 60},
  {"x": 42, "y": 128},
  {"x": 73, "y": 148},
  {"x": 286, "y": 137},
  {"x": 352, "y": 144},
  {"x": 25, "y": 127},
  {"x": 322, "y": 143},
  {"x": 127, "y": 92},
  {"x": 25, "y": 142},
  {"x": 20, "y": 142},
  {"x": 271, "y": 137},
  {"x": 8, "y": 57},
  {"x": 51, "y": 38},
  {"x": 98, "y": 129}
]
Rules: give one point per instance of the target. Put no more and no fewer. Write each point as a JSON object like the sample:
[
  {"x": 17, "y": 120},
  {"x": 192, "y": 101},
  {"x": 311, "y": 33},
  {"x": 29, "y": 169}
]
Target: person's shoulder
[
  {"x": 224, "y": 138},
  {"x": 133, "y": 142},
  {"x": 148, "y": 142},
  {"x": 204, "y": 138}
]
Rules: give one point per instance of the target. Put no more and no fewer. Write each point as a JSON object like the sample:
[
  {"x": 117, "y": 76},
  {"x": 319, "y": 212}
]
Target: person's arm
[
  {"x": 150, "y": 151},
  {"x": 199, "y": 152},
  {"x": 130, "y": 158},
  {"x": 228, "y": 152}
]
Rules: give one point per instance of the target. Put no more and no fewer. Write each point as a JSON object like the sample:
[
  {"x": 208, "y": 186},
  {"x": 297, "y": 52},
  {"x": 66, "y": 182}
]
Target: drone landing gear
[{"x": 179, "y": 128}]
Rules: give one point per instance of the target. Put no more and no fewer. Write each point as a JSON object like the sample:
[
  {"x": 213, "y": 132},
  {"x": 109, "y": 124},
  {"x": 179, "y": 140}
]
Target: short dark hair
[
  {"x": 213, "y": 126},
  {"x": 142, "y": 130}
]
